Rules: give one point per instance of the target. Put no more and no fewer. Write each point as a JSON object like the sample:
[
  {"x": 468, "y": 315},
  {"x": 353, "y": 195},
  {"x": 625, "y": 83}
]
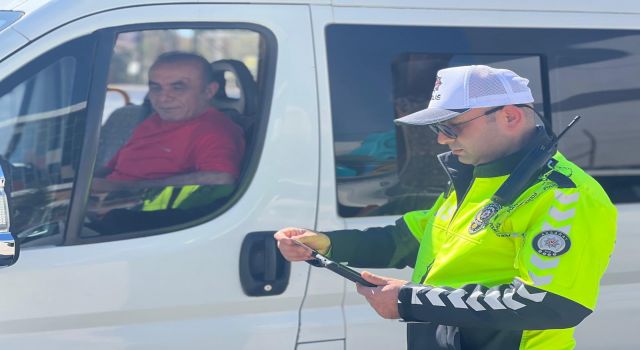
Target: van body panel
[
  {"x": 327, "y": 345},
  {"x": 618, "y": 303},
  {"x": 181, "y": 288},
  {"x": 615, "y": 303},
  {"x": 50, "y": 15},
  {"x": 624, "y": 267},
  {"x": 11, "y": 4},
  {"x": 42, "y": 16},
  {"x": 322, "y": 312},
  {"x": 327, "y": 194},
  {"x": 622, "y": 7},
  {"x": 321, "y": 315},
  {"x": 364, "y": 327},
  {"x": 11, "y": 41},
  {"x": 477, "y": 17}
]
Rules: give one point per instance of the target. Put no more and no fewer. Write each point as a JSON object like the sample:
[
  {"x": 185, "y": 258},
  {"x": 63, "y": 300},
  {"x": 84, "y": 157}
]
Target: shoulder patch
[
  {"x": 563, "y": 181},
  {"x": 551, "y": 243}
]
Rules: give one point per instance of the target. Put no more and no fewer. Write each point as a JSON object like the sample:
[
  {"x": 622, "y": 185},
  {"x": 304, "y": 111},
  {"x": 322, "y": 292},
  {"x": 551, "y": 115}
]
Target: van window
[
  {"x": 382, "y": 169},
  {"x": 176, "y": 136},
  {"x": 8, "y": 17},
  {"x": 42, "y": 120},
  {"x": 597, "y": 77},
  {"x": 380, "y": 73}
]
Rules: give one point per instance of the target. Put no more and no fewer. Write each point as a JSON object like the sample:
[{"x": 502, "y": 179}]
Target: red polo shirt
[{"x": 160, "y": 149}]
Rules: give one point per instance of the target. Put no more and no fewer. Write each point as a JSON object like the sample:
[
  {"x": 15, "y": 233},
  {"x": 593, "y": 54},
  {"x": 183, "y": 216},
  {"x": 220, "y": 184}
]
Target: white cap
[{"x": 459, "y": 89}]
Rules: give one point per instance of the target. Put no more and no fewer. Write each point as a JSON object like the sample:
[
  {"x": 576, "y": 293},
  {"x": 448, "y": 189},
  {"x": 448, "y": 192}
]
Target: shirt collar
[{"x": 500, "y": 167}]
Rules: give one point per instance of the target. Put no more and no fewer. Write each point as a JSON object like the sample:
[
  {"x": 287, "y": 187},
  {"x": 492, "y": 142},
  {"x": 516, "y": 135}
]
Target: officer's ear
[{"x": 512, "y": 118}]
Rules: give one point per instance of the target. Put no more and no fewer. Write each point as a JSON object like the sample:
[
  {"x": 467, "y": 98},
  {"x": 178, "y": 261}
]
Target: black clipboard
[{"x": 342, "y": 270}]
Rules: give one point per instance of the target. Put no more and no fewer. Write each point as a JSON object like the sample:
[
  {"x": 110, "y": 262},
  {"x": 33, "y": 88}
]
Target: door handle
[
  {"x": 263, "y": 270},
  {"x": 270, "y": 259}
]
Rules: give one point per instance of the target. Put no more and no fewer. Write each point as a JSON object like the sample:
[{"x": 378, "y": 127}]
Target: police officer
[{"x": 511, "y": 256}]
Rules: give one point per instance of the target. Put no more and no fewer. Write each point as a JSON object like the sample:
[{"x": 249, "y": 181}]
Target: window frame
[{"x": 106, "y": 44}]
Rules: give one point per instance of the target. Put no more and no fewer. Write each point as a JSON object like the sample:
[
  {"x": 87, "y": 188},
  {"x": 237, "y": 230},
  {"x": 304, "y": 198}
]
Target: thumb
[
  {"x": 375, "y": 279},
  {"x": 316, "y": 240}
]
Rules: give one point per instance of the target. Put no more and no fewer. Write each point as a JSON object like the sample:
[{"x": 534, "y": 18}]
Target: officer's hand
[
  {"x": 294, "y": 252},
  {"x": 383, "y": 299}
]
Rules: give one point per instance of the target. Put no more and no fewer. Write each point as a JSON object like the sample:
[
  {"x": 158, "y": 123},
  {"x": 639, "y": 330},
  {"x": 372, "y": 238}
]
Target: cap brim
[{"x": 429, "y": 116}]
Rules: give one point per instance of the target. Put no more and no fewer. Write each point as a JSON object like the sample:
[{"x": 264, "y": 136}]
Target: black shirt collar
[
  {"x": 461, "y": 174},
  {"x": 498, "y": 167}
]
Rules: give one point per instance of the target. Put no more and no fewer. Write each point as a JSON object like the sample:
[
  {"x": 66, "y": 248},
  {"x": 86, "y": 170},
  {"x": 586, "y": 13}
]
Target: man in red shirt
[{"x": 186, "y": 141}]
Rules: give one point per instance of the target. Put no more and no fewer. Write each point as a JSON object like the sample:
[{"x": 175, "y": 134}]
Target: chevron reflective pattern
[
  {"x": 514, "y": 298},
  {"x": 559, "y": 216}
]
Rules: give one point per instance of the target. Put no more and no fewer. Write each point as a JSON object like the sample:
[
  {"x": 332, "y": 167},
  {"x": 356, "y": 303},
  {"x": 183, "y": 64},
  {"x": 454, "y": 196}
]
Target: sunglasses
[{"x": 452, "y": 130}]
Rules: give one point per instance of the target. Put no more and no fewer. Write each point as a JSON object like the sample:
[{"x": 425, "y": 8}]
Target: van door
[
  {"x": 128, "y": 268},
  {"x": 359, "y": 164}
]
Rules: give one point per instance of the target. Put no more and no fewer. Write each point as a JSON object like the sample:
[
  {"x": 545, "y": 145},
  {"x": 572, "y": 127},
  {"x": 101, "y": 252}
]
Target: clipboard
[{"x": 340, "y": 269}]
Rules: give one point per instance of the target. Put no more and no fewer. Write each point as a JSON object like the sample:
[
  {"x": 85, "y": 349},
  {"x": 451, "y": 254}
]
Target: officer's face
[
  {"x": 177, "y": 91},
  {"x": 479, "y": 139}
]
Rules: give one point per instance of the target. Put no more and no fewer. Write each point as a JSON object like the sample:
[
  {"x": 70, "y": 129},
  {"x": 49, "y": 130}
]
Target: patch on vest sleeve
[
  {"x": 483, "y": 217},
  {"x": 551, "y": 243}
]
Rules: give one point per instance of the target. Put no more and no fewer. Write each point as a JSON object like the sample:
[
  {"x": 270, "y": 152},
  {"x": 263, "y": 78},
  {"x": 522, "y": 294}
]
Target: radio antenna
[{"x": 575, "y": 119}]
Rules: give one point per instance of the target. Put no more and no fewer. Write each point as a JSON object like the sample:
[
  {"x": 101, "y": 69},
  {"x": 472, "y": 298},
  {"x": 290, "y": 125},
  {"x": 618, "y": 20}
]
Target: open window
[{"x": 171, "y": 181}]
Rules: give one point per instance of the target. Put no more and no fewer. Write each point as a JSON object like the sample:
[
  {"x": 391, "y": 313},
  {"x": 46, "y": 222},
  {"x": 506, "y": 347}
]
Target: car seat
[
  {"x": 118, "y": 128},
  {"x": 243, "y": 108}
]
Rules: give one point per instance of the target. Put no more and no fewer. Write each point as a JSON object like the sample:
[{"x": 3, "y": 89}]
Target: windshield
[{"x": 8, "y": 17}]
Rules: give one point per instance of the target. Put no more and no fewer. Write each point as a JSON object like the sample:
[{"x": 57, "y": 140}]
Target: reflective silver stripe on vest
[{"x": 557, "y": 214}]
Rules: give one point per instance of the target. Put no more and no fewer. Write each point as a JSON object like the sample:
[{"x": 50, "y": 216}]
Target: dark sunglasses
[{"x": 451, "y": 130}]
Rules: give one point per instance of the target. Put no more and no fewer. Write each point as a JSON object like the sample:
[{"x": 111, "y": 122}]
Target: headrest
[{"x": 246, "y": 103}]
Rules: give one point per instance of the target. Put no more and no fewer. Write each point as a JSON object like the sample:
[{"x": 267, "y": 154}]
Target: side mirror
[{"x": 9, "y": 246}]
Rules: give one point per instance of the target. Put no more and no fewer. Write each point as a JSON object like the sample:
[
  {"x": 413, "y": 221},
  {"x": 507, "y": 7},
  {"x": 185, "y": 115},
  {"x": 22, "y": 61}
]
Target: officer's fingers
[
  {"x": 297, "y": 232},
  {"x": 292, "y": 244},
  {"x": 288, "y": 233},
  {"x": 366, "y": 292},
  {"x": 293, "y": 255},
  {"x": 375, "y": 279},
  {"x": 370, "y": 294},
  {"x": 292, "y": 251}
]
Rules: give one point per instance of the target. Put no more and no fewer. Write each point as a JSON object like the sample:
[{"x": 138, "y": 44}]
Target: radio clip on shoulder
[{"x": 529, "y": 167}]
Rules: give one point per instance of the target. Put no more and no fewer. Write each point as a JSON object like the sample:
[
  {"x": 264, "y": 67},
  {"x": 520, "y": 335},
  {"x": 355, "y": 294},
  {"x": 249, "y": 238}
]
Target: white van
[{"x": 315, "y": 85}]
